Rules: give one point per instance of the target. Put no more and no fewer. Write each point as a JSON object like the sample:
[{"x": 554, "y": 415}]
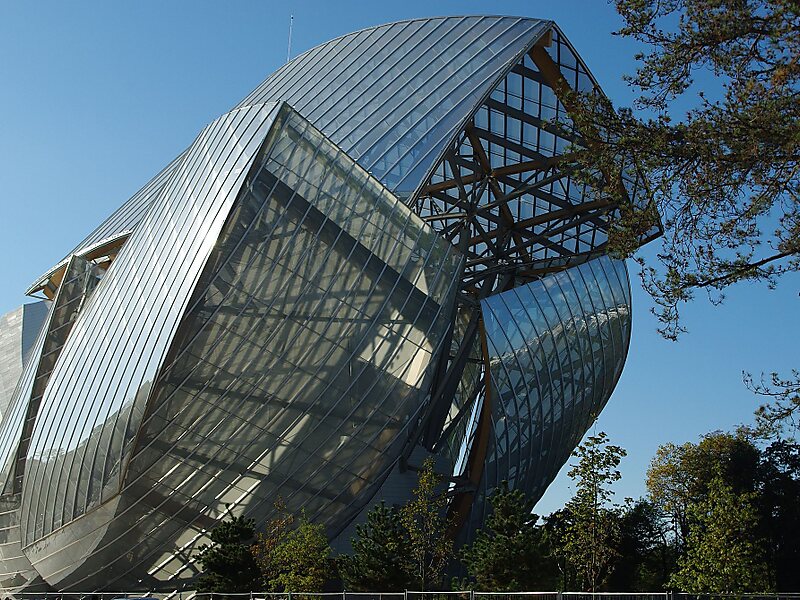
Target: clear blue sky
[{"x": 95, "y": 97}]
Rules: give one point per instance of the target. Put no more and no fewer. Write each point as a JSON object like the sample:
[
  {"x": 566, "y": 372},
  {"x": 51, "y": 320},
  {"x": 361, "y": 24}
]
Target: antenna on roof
[{"x": 289, "y": 49}]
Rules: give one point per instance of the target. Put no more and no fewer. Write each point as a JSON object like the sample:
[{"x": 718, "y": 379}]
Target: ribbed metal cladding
[
  {"x": 301, "y": 358},
  {"x": 18, "y": 332},
  {"x": 80, "y": 279},
  {"x": 557, "y": 348},
  {"x": 121, "y": 222},
  {"x": 103, "y": 376},
  {"x": 391, "y": 96}
]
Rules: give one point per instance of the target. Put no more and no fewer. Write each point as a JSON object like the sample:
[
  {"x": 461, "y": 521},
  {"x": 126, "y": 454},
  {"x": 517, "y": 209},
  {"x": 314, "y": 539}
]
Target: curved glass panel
[{"x": 556, "y": 350}]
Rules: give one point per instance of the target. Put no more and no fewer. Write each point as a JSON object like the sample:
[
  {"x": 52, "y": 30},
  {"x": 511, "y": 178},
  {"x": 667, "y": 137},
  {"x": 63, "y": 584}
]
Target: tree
[
  {"x": 720, "y": 161},
  {"x": 228, "y": 563},
  {"x": 267, "y": 542},
  {"x": 509, "y": 553},
  {"x": 556, "y": 525},
  {"x": 779, "y": 510},
  {"x": 302, "y": 559},
  {"x": 779, "y": 414},
  {"x": 679, "y": 476},
  {"x": 591, "y": 537},
  {"x": 679, "y": 480},
  {"x": 647, "y": 552},
  {"x": 423, "y": 517},
  {"x": 380, "y": 559},
  {"x": 723, "y": 553}
]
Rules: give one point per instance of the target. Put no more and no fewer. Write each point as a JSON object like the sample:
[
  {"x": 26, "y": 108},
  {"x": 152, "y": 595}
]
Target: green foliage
[
  {"x": 679, "y": 476},
  {"x": 556, "y": 525},
  {"x": 430, "y": 548},
  {"x": 289, "y": 558},
  {"x": 680, "y": 479},
  {"x": 778, "y": 415},
  {"x": 723, "y": 556},
  {"x": 380, "y": 559},
  {"x": 647, "y": 552},
  {"x": 736, "y": 500},
  {"x": 403, "y": 548},
  {"x": 592, "y": 535},
  {"x": 268, "y": 541},
  {"x": 720, "y": 160},
  {"x": 779, "y": 509},
  {"x": 509, "y": 554},
  {"x": 721, "y": 172},
  {"x": 228, "y": 563},
  {"x": 302, "y": 559}
]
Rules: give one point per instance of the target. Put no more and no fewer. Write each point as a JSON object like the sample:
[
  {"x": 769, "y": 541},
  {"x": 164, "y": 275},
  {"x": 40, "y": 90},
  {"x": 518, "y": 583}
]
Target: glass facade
[
  {"x": 556, "y": 350},
  {"x": 374, "y": 258}
]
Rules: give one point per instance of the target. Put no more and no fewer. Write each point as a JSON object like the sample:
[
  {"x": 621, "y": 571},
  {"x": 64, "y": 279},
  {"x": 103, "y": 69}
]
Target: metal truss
[{"x": 504, "y": 193}]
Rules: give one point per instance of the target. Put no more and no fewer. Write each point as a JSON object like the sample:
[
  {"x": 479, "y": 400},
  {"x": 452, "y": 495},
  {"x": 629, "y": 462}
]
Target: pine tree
[
  {"x": 228, "y": 563},
  {"x": 720, "y": 159},
  {"x": 380, "y": 559},
  {"x": 509, "y": 553}
]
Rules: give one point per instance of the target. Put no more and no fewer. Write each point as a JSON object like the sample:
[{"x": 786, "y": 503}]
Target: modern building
[
  {"x": 374, "y": 258},
  {"x": 18, "y": 331}
]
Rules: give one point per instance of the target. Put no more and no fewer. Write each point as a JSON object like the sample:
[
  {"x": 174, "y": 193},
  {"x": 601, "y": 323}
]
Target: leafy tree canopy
[
  {"x": 423, "y": 517},
  {"x": 679, "y": 476},
  {"x": 267, "y": 542},
  {"x": 591, "y": 537},
  {"x": 302, "y": 559},
  {"x": 647, "y": 553},
  {"x": 723, "y": 555},
  {"x": 721, "y": 162}
]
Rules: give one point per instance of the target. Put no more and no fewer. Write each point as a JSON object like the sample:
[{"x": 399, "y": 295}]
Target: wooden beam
[
  {"x": 556, "y": 215},
  {"x": 460, "y": 506}
]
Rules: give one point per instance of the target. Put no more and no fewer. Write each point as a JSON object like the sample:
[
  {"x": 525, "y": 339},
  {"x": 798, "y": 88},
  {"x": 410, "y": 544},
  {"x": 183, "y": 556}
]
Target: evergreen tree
[
  {"x": 556, "y": 525},
  {"x": 720, "y": 161},
  {"x": 228, "y": 563},
  {"x": 779, "y": 511},
  {"x": 509, "y": 552},
  {"x": 380, "y": 559},
  {"x": 405, "y": 548},
  {"x": 723, "y": 554},
  {"x": 647, "y": 553}
]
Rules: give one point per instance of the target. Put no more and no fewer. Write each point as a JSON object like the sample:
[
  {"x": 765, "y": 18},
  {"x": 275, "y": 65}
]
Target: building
[
  {"x": 372, "y": 259},
  {"x": 18, "y": 331}
]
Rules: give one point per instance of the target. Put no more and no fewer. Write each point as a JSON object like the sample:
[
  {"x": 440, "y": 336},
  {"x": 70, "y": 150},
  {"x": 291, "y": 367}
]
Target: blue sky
[{"x": 95, "y": 97}]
